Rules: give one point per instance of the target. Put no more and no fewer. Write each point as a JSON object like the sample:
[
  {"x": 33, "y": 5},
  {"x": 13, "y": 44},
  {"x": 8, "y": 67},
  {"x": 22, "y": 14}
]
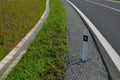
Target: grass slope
[
  {"x": 17, "y": 17},
  {"x": 44, "y": 59}
]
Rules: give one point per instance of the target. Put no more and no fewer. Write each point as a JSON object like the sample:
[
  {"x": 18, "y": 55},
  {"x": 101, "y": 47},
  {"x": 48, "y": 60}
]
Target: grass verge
[
  {"x": 17, "y": 17},
  {"x": 117, "y": 0},
  {"x": 44, "y": 59}
]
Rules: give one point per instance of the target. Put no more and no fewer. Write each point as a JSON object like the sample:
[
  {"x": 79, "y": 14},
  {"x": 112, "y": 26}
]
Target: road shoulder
[{"x": 94, "y": 68}]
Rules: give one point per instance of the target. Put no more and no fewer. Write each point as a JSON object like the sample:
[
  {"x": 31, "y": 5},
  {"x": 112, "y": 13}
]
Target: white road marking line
[
  {"x": 111, "y": 52},
  {"x": 103, "y": 5}
]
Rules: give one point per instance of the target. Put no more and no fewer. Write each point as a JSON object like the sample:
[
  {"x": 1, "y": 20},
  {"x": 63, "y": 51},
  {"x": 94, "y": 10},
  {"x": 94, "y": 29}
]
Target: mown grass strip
[
  {"x": 44, "y": 59},
  {"x": 17, "y": 17}
]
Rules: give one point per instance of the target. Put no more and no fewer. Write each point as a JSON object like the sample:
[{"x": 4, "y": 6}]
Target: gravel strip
[{"x": 94, "y": 68}]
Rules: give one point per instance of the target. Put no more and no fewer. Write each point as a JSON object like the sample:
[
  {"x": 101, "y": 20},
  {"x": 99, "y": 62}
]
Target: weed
[
  {"x": 17, "y": 17},
  {"x": 44, "y": 59}
]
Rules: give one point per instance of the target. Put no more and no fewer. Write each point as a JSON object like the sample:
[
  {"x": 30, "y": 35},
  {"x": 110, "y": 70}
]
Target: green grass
[
  {"x": 44, "y": 59},
  {"x": 17, "y": 17},
  {"x": 117, "y": 0}
]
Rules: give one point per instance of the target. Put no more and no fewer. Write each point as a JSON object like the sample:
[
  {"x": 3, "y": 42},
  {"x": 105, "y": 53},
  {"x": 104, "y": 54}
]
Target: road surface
[{"x": 105, "y": 15}]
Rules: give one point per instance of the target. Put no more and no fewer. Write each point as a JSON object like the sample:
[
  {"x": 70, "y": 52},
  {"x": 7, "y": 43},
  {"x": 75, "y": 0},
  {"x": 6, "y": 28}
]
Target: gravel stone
[{"x": 94, "y": 68}]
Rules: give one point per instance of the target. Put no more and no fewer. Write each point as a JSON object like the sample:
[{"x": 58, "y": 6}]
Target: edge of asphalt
[
  {"x": 109, "y": 55},
  {"x": 9, "y": 61}
]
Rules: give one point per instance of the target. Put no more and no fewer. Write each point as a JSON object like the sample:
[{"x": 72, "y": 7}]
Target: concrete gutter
[
  {"x": 109, "y": 55},
  {"x": 9, "y": 62}
]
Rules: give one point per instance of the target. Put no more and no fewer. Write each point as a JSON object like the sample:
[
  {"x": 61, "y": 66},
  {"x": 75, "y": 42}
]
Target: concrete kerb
[
  {"x": 110, "y": 56},
  {"x": 9, "y": 62}
]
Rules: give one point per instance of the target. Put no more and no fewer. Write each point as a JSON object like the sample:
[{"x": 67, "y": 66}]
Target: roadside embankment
[{"x": 44, "y": 59}]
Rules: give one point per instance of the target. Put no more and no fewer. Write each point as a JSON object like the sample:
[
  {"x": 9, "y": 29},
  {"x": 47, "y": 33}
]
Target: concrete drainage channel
[
  {"x": 109, "y": 55},
  {"x": 9, "y": 62}
]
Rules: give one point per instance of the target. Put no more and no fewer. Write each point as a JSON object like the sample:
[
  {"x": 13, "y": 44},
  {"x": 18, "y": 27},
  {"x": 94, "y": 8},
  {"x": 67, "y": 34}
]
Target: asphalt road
[{"x": 105, "y": 15}]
